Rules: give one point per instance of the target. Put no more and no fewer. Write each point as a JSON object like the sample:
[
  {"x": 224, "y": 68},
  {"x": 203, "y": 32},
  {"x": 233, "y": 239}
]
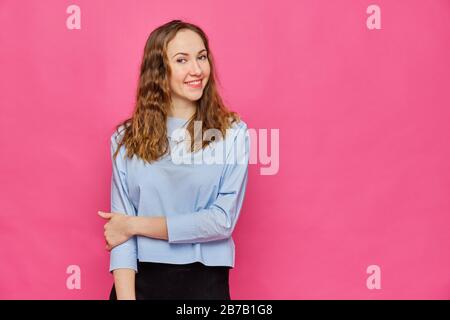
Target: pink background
[{"x": 363, "y": 115}]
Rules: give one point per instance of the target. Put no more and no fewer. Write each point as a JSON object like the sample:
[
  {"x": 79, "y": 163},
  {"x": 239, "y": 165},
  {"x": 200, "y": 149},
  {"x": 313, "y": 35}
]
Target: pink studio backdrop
[{"x": 363, "y": 118}]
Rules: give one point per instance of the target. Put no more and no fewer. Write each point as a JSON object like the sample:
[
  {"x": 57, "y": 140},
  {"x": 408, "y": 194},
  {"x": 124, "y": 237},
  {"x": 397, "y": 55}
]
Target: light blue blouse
[{"x": 201, "y": 200}]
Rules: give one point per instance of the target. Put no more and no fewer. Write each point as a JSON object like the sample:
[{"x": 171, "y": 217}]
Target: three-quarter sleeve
[
  {"x": 218, "y": 221},
  {"x": 125, "y": 254}
]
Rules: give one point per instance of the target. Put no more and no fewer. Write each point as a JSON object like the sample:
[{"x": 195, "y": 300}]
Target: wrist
[{"x": 132, "y": 226}]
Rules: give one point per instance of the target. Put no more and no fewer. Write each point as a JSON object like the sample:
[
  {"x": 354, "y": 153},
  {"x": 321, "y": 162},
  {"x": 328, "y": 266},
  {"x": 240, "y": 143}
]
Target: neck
[{"x": 182, "y": 108}]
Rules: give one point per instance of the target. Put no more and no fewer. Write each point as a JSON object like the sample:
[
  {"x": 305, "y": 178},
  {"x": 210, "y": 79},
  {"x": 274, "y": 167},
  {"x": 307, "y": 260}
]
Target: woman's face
[{"x": 188, "y": 61}]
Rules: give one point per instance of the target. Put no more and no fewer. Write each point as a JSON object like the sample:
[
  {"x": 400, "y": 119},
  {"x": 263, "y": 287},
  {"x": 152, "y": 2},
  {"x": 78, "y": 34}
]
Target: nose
[{"x": 195, "y": 68}]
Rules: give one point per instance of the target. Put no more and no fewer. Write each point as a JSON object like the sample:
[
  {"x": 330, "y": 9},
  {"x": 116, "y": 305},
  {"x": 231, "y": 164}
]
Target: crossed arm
[{"x": 121, "y": 227}]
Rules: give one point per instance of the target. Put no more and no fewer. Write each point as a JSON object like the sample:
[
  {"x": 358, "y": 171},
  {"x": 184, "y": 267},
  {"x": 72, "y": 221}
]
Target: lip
[{"x": 194, "y": 85}]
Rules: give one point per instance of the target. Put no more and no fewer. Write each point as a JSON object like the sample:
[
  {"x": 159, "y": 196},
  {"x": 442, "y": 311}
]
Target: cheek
[
  {"x": 207, "y": 70},
  {"x": 177, "y": 79}
]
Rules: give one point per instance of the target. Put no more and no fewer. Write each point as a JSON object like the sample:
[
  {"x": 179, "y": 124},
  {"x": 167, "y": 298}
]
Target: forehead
[{"x": 185, "y": 41}]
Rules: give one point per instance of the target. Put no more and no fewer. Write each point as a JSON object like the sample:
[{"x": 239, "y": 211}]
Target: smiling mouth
[{"x": 194, "y": 82}]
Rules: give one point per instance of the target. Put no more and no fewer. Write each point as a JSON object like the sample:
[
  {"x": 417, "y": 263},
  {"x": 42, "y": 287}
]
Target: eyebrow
[{"x": 186, "y": 54}]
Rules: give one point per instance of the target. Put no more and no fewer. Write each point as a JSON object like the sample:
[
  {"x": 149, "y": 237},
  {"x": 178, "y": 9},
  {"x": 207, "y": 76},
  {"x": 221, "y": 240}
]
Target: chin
[{"x": 194, "y": 97}]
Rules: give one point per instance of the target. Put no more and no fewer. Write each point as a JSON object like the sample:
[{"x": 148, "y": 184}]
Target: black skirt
[{"x": 193, "y": 281}]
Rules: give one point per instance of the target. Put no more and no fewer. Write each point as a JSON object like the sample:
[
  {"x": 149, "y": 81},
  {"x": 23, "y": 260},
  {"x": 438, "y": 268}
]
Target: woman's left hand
[{"x": 117, "y": 229}]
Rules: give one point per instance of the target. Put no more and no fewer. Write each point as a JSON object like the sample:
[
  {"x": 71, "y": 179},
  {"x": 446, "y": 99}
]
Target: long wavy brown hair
[{"x": 145, "y": 133}]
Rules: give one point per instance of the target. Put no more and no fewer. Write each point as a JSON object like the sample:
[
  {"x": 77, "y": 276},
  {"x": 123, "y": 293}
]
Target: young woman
[{"x": 176, "y": 198}]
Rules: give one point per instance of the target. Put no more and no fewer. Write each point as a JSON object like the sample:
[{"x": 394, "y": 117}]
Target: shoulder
[
  {"x": 238, "y": 138},
  {"x": 118, "y": 134},
  {"x": 238, "y": 129},
  {"x": 239, "y": 125},
  {"x": 116, "y": 138}
]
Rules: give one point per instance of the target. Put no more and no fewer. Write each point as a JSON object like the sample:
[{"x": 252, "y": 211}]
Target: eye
[
  {"x": 181, "y": 59},
  {"x": 203, "y": 56}
]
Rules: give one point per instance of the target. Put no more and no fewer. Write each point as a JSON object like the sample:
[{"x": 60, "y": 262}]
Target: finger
[{"x": 105, "y": 215}]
